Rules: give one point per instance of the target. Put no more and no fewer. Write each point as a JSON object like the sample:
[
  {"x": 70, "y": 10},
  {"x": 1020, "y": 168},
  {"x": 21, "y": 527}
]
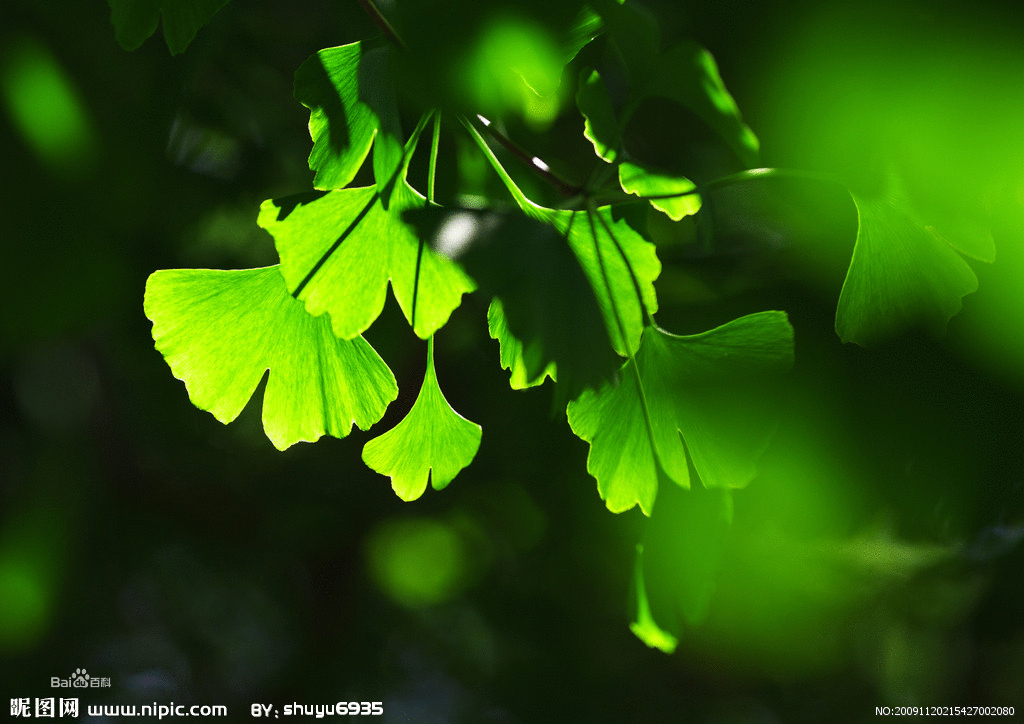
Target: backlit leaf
[
  {"x": 599, "y": 123},
  {"x": 644, "y": 182},
  {"x": 351, "y": 103},
  {"x": 708, "y": 388},
  {"x": 545, "y": 308},
  {"x": 339, "y": 251},
  {"x": 433, "y": 442},
  {"x": 220, "y": 331}
]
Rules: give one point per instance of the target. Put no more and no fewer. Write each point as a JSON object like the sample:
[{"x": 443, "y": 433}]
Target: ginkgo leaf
[
  {"x": 685, "y": 73},
  {"x": 433, "y": 442},
  {"x": 644, "y": 627},
  {"x": 688, "y": 74},
  {"x": 619, "y": 264},
  {"x": 512, "y": 354},
  {"x": 545, "y": 308},
  {"x": 902, "y": 273},
  {"x": 352, "y": 107},
  {"x": 670, "y": 194},
  {"x": 707, "y": 387},
  {"x": 135, "y": 20},
  {"x": 220, "y": 331},
  {"x": 683, "y": 546},
  {"x": 339, "y": 250},
  {"x": 599, "y": 123},
  {"x": 586, "y": 26}
]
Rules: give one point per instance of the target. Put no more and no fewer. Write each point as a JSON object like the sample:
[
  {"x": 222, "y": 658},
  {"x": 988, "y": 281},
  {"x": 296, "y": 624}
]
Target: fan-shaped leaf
[
  {"x": 708, "y": 387},
  {"x": 351, "y": 103},
  {"x": 673, "y": 195},
  {"x": 339, "y": 250},
  {"x": 432, "y": 442},
  {"x": 902, "y": 273},
  {"x": 220, "y": 331}
]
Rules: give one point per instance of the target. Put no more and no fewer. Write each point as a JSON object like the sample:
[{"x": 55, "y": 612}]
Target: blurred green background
[{"x": 877, "y": 559}]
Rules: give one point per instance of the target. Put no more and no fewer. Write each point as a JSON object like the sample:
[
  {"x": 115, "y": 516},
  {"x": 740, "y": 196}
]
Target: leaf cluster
[{"x": 568, "y": 273}]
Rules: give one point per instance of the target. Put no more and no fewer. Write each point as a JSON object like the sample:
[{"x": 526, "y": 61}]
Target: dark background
[{"x": 190, "y": 561}]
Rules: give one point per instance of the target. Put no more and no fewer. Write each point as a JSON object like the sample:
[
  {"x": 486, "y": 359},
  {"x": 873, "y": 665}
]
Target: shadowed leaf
[
  {"x": 902, "y": 273},
  {"x": 707, "y": 387},
  {"x": 351, "y": 107},
  {"x": 135, "y": 20},
  {"x": 545, "y": 314}
]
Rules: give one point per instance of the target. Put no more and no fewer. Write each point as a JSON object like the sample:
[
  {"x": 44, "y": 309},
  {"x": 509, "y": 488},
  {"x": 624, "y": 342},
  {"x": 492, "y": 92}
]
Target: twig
[{"x": 382, "y": 23}]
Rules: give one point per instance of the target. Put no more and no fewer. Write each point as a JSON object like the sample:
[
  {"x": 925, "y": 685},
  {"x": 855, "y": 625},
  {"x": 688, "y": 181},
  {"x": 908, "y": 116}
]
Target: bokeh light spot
[
  {"x": 44, "y": 107},
  {"x": 417, "y": 562}
]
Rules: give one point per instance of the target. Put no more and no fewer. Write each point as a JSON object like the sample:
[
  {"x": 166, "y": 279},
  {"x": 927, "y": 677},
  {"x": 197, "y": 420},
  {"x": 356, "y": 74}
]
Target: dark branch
[
  {"x": 539, "y": 167},
  {"x": 382, "y": 23}
]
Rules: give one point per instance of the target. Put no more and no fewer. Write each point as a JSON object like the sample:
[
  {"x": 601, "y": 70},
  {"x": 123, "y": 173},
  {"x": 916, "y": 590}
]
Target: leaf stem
[
  {"x": 389, "y": 32},
  {"x": 410, "y": 148},
  {"x": 524, "y": 203},
  {"x": 433, "y": 156},
  {"x": 537, "y": 165},
  {"x": 756, "y": 174}
]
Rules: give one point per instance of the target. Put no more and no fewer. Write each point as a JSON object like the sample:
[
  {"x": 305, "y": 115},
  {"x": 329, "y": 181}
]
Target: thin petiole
[
  {"x": 433, "y": 156},
  {"x": 534, "y": 162},
  {"x": 389, "y": 32},
  {"x": 524, "y": 203}
]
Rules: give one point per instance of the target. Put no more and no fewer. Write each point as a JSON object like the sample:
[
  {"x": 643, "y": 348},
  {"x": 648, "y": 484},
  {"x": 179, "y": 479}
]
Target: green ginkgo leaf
[
  {"x": 135, "y": 20},
  {"x": 710, "y": 388},
  {"x": 673, "y": 195},
  {"x": 352, "y": 107},
  {"x": 685, "y": 73},
  {"x": 220, "y": 331},
  {"x": 546, "y": 314},
  {"x": 599, "y": 123},
  {"x": 339, "y": 251},
  {"x": 433, "y": 442},
  {"x": 621, "y": 266},
  {"x": 903, "y": 272},
  {"x": 688, "y": 74},
  {"x": 644, "y": 627},
  {"x": 683, "y": 546},
  {"x": 527, "y": 366}
]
